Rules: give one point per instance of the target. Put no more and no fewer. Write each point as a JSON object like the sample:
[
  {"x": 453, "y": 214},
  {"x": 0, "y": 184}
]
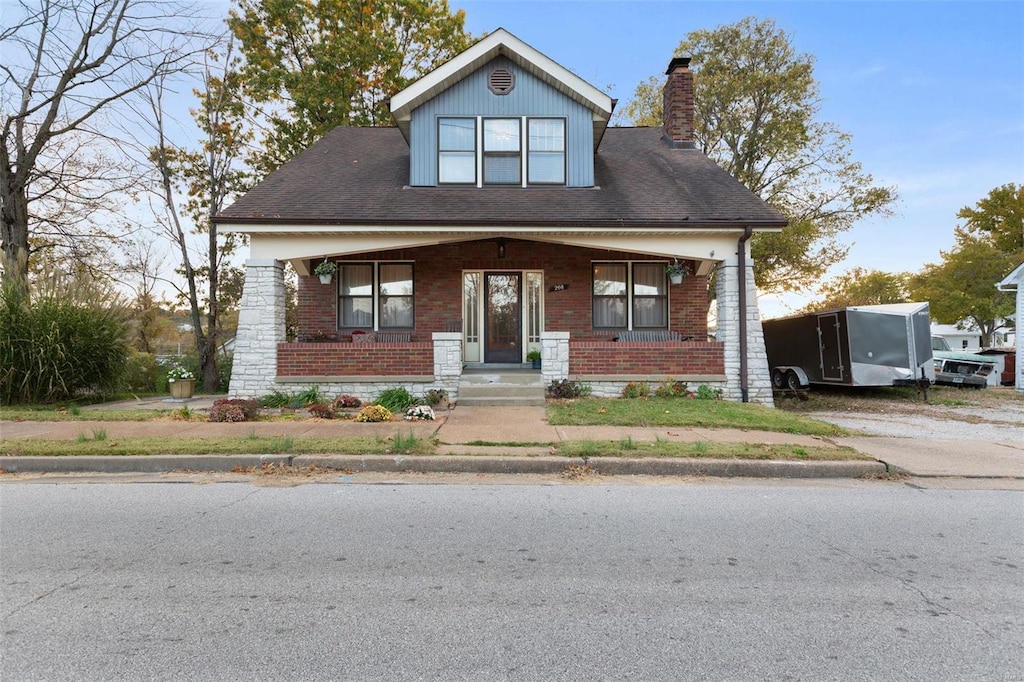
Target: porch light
[{"x": 501, "y": 249}]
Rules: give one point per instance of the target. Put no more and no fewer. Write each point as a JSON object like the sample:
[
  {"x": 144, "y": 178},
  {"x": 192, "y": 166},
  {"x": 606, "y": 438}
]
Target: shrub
[
  {"x": 308, "y": 397},
  {"x": 374, "y": 413},
  {"x": 140, "y": 373},
  {"x": 705, "y": 392},
  {"x": 395, "y": 399},
  {"x": 672, "y": 389},
  {"x": 275, "y": 399},
  {"x": 64, "y": 341},
  {"x": 567, "y": 389},
  {"x": 345, "y": 401},
  {"x": 636, "y": 389},
  {"x": 321, "y": 410},
  {"x": 419, "y": 413},
  {"x": 234, "y": 410},
  {"x": 435, "y": 396}
]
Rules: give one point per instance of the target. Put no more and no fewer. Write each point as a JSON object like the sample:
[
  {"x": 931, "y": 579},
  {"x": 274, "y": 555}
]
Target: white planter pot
[
  {"x": 325, "y": 279},
  {"x": 675, "y": 279}
]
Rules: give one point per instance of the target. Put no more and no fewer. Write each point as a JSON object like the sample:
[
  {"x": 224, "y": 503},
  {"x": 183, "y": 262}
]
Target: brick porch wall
[
  {"x": 438, "y": 285},
  {"x": 646, "y": 358},
  {"x": 355, "y": 359}
]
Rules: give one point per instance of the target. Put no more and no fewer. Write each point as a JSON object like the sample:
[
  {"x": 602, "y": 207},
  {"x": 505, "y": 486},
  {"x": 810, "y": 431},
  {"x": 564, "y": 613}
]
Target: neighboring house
[
  {"x": 499, "y": 216},
  {"x": 957, "y": 337},
  {"x": 1015, "y": 282}
]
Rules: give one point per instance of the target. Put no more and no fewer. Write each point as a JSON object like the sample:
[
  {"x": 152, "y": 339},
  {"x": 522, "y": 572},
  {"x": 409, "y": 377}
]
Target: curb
[{"x": 448, "y": 464}]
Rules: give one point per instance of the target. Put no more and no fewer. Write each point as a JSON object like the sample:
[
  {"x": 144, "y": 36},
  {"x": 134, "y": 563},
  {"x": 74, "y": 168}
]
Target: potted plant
[
  {"x": 534, "y": 357},
  {"x": 325, "y": 271},
  {"x": 677, "y": 271},
  {"x": 181, "y": 382}
]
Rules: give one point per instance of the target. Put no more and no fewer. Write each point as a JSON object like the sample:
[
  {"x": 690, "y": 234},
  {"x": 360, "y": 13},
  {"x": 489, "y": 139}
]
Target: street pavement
[{"x": 517, "y": 439}]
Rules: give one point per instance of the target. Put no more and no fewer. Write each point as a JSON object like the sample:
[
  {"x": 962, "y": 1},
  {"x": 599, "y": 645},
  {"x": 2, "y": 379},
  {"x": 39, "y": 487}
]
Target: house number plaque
[{"x": 559, "y": 287}]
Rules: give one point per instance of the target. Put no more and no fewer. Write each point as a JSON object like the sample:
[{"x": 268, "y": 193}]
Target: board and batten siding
[{"x": 530, "y": 97}]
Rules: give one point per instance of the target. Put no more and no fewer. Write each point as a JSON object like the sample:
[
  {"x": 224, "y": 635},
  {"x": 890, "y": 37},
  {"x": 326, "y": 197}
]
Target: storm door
[
  {"x": 828, "y": 345},
  {"x": 503, "y": 312}
]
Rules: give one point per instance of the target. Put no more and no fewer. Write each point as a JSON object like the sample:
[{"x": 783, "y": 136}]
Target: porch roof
[{"x": 358, "y": 176}]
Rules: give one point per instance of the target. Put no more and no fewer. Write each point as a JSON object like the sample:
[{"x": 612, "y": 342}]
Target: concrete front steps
[{"x": 501, "y": 386}]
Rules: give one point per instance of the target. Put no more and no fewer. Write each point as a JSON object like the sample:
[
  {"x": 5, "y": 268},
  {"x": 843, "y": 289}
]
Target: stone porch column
[
  {"x": 448, "y": 362},
  {"x": 728, "y": 300},
  {"x": 261, "y": 326},
  {"x": 554, "y": 356}
]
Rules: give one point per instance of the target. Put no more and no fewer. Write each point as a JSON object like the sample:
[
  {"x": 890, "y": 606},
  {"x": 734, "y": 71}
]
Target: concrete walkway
[{"x": 511, "y": 439}]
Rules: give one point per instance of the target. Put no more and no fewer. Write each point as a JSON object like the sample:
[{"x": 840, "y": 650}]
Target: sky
[{"x": 932, "y": 93}]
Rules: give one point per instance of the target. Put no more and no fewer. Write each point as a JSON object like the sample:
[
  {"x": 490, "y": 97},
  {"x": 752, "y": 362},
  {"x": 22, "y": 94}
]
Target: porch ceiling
[{"x": 704, "y": 246}]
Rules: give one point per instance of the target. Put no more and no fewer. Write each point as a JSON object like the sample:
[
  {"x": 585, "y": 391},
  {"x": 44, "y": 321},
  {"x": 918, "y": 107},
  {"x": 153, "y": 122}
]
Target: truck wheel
[
  {"x": 793, "y": 381},
  {"x": 778, "y": 378}
]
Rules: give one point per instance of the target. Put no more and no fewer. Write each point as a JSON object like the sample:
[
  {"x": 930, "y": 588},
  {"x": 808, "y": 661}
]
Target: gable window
[
  {"x": 502, "y": 158},
  {"x": 456, "y": 157},
  {"x": 501, "y": 151},
  {"x": 375, "y": 296},
  {"x": 630, "y": 296},
  {"x": 546, "y": 151}
]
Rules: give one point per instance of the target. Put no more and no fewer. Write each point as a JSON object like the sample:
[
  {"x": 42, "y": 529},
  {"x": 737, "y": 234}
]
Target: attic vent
[{"x": 501, "y": 81}]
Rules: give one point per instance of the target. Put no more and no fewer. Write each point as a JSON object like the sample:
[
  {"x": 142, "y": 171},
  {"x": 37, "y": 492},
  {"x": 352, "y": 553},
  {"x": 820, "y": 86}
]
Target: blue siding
[{"x": 530, "y": 97}]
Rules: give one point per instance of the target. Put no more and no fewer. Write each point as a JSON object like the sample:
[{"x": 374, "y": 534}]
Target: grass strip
[
  {"x": 223, "y": 445},
  {"x": 684, "y": 412},
  {"x": 702, "y": 449}
]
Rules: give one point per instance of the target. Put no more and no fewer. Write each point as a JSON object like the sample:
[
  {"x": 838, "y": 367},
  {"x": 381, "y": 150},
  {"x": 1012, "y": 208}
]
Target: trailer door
[{"x": 830, "y": 352}]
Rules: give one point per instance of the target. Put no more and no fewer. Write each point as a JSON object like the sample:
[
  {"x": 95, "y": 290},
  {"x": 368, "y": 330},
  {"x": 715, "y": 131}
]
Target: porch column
[
  {"x": 728, "y": 300},
  {"x": 554, "y": 356},
  {"x": 261, "y": 326},
  {"x": 448, "y": 362}
]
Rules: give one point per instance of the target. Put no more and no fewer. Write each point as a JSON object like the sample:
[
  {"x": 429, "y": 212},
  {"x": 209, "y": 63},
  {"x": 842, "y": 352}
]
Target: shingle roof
[{"x": 359, "y": 176}]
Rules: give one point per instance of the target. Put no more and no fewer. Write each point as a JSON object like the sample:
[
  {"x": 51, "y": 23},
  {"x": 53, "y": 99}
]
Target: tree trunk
[{"x": 14, "y": 232}]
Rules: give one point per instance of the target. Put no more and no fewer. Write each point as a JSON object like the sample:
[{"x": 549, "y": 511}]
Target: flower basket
[
  {"x": 182, "y": 388},
  {"x": 325, "y": 271},
  {"x": 677, "y": 272}
]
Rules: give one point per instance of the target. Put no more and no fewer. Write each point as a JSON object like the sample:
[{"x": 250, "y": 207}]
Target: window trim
[
  {"x": 377, "y": 312},
  {"x": 564, "y": 152},
  {"x": 477, "y": 141},
  {"x": 517, "y": 154},
  {"x": 629, "y": 295},
  {"x": 479, "y": 154}
]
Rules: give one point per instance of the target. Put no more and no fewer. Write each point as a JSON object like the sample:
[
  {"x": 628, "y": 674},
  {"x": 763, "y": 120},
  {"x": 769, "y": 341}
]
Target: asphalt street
[{"x": 693, "y": 580}]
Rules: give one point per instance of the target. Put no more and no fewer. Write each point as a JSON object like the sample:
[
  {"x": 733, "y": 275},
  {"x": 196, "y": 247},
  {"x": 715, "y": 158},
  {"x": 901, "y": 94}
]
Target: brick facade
[
  {"x": 437, "y": 273},
  {"x": 354, "y": 359},
  {"x": 669, "y": 359}
]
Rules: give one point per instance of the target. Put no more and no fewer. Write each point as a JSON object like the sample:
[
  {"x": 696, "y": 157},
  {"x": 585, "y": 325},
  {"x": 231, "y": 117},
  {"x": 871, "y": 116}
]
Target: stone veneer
[
  {"x": 727, "y": 290},
  {"x": 261, "y": 327}
]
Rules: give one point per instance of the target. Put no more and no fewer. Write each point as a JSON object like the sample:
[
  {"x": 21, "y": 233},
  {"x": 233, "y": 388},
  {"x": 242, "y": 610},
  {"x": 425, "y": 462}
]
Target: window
[
  {"x": 456, "y": 145},
  {"x": 490, "y": 151},
  {"x": 376, "y": 296},
  {"x": 502, "y": 160},
  {"x": 630, "y": 296},
  {"x": 546, "y": 151}
]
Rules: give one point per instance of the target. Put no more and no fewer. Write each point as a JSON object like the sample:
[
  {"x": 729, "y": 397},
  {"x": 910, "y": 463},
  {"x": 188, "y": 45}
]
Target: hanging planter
[
  {"x": 325, "y": 271},
  {"x": 677, "y": 272}
]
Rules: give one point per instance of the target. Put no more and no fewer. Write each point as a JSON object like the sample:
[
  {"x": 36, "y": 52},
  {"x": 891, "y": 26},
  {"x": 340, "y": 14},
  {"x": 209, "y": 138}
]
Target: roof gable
[{"x": 501, "y": 43}]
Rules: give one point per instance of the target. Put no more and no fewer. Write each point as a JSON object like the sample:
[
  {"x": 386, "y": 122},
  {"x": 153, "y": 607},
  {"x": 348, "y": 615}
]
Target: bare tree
[{"x": 68, "y": 66}]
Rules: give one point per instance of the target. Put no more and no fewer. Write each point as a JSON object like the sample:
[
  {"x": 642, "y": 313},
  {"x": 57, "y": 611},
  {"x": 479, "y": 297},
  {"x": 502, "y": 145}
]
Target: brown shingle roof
[{"x": 359, "y": 176}]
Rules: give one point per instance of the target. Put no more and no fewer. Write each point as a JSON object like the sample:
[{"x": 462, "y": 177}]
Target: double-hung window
[
  {"x": 375, "y": 296},
  {"x": 501, "y": 151},
  {"x": 630, "y": 296}
]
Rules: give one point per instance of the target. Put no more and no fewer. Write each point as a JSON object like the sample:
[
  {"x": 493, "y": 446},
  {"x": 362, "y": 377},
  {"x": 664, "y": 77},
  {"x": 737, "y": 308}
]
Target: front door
[{"x": 503, "y": 313}]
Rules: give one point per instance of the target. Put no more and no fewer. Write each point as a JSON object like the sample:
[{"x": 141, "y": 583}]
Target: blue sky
[{"x": 931, "y": 92}]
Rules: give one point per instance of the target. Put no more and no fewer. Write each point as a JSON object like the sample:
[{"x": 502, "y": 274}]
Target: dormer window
[{"x": 490, "y": 151}]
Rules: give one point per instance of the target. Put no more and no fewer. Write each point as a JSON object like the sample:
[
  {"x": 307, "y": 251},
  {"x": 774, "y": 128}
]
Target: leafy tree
[
  {"x": 862, "y": 287},
  {"x": 68, "y": 68},
  {"x": 318, "y": 64},
  {"x": 1000, "y": 215},
  {"x": 757, "y": 104},
  {"x": 962, "y": 287}
]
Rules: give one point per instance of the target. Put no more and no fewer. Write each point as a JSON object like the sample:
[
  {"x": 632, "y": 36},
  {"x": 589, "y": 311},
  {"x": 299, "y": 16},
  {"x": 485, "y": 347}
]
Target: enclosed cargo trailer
[{"x": 871, "y": 345}]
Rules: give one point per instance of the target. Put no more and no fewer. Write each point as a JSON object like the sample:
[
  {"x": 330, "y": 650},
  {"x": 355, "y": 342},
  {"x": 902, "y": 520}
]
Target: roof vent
[{"x": 501, "y": 81}]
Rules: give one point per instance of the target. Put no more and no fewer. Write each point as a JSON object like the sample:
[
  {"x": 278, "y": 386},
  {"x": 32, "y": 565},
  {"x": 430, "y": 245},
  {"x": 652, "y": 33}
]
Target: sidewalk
[{"x": 515, "y": 439}]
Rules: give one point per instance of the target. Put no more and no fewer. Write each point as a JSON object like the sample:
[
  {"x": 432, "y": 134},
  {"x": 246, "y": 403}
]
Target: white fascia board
[
  {"x": 457, "y": 68},
  {"x": 1013, "y": 280},
  {"x": 508, "y": 230}
]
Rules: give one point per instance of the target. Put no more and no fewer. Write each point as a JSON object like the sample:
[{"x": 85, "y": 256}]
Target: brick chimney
[{"x": 677, "y": 104}]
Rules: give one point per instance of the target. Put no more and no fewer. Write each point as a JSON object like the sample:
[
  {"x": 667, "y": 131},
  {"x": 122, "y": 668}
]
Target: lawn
[{"x": 684, "y": 412}]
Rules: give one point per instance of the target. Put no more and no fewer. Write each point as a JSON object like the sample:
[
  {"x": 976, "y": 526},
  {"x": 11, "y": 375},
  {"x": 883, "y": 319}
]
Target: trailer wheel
[
  {"x": 778, "y": 378},
  {"x": 793, "y": 381}
]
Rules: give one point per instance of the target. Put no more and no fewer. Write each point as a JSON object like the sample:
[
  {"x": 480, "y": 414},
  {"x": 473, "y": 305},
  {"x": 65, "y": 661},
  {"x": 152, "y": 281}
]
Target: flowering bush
[
  {"x": 320, "y": 410},
  {"x": 374, "y": 413},
  {"x": 636, "y": 389},
  {"x": 345, "y": 401},
  {"x": 179, "y": 373},
  {"x": 673, "y": 389},
  {"x": 234, "y": 410},
  {"x": 419, "y": 413}
]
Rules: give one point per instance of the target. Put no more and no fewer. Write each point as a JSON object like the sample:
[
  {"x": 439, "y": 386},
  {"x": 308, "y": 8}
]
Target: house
[
  {"x": 1015, "y": 282},
  {"x": 958, "y": 337},
  {"x": 501, "y": 214}
]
